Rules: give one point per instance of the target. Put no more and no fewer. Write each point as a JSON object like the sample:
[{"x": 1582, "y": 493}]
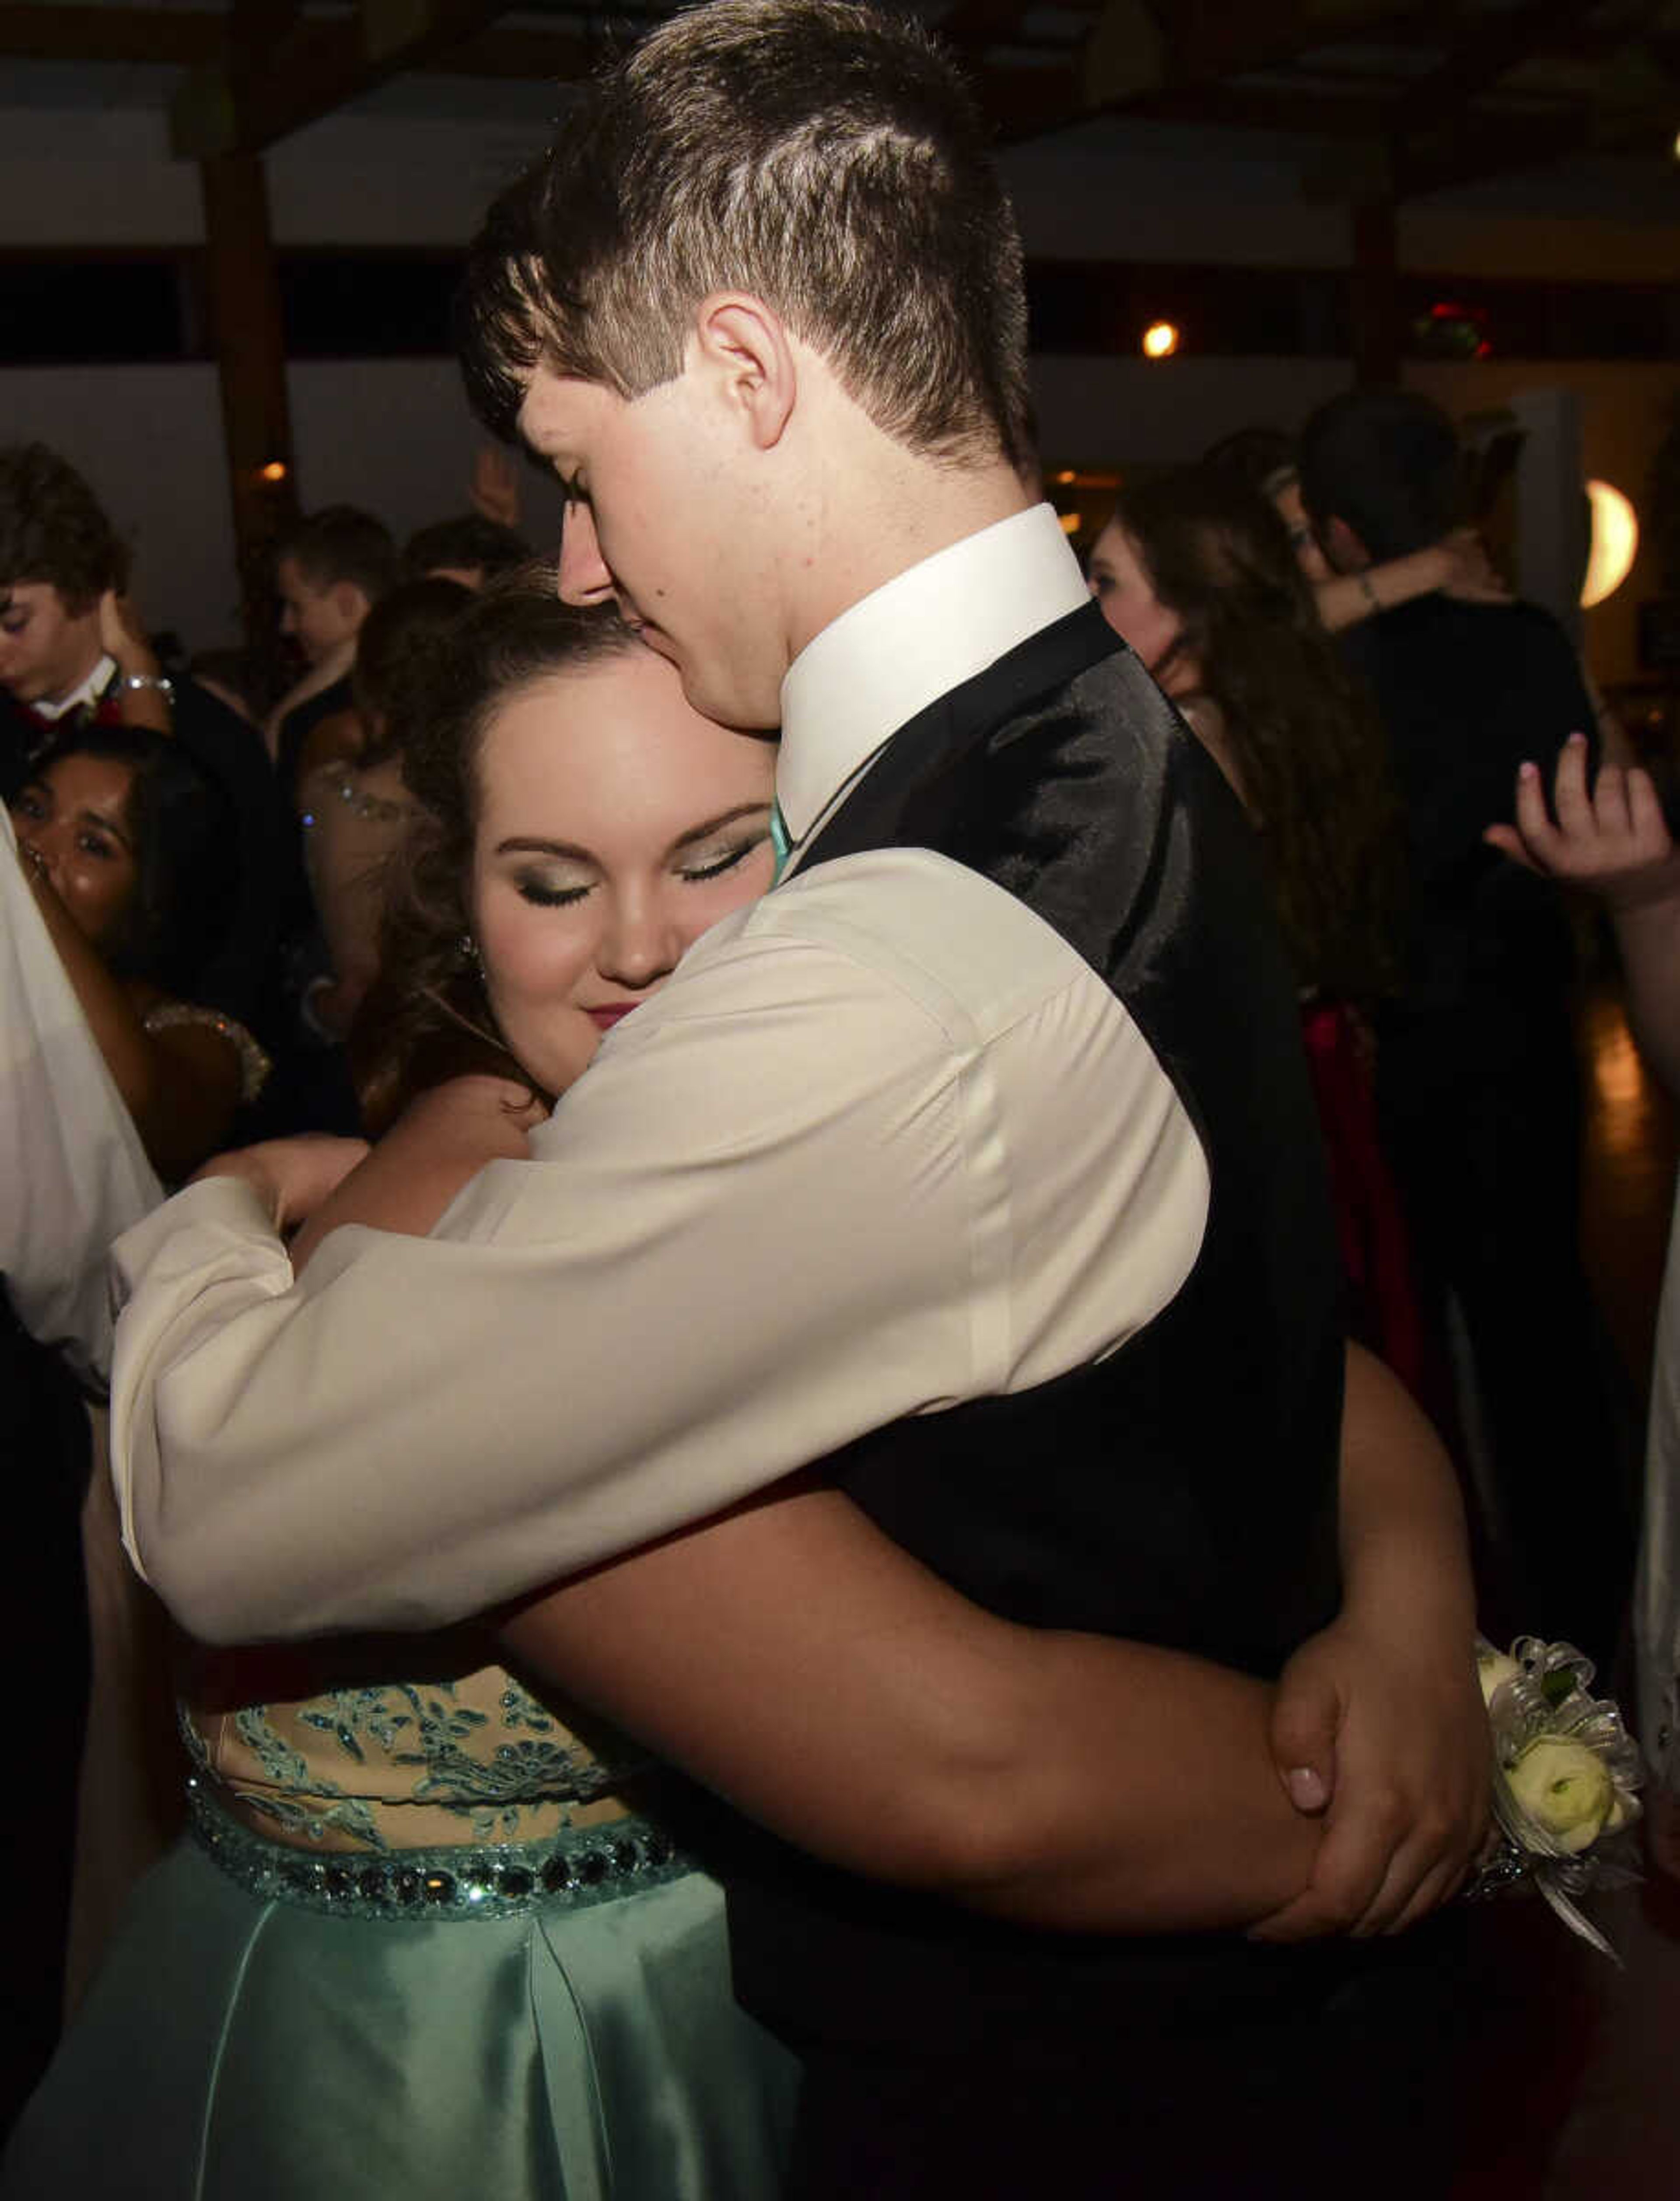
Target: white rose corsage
[{"x": 1566, "y": 1776}]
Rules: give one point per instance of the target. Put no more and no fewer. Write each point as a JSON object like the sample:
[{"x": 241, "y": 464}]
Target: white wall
[{"x": 393, "y": 436}]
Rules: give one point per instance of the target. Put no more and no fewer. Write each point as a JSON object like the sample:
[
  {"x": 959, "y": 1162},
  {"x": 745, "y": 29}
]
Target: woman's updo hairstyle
[
  {"x": 401, "y": 651},
  {"x": 427, "y": 1018}
]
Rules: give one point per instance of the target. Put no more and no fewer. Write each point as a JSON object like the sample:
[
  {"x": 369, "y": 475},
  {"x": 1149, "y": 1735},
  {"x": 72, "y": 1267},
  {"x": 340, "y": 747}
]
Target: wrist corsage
[{"x": 1566, "y": 1776}]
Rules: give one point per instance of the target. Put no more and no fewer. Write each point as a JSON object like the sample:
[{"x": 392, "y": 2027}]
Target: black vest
[{"x": 1181, "y": 1492}]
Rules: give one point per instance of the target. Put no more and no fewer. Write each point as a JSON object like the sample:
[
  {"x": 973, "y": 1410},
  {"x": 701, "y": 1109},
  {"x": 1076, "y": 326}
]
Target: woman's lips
[{"x": 609, "y": 1013}]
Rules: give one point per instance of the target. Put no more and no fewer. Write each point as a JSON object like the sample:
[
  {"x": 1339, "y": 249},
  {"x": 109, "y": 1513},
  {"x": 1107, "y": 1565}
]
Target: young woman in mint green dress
[{"x": 426, "y": 1935}]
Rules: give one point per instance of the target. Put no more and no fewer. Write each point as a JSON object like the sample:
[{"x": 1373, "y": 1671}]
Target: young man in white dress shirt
[{"x": 975, "y": 1163}]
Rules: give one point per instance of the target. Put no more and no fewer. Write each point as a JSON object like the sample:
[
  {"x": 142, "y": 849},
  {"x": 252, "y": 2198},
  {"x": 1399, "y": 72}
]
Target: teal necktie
[{"x": 778, "y": 840}]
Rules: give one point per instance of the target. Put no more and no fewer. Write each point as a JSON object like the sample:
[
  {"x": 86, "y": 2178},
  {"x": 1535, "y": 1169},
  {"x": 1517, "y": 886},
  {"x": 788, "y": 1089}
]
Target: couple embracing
[{"x": 902, "y": 1382}]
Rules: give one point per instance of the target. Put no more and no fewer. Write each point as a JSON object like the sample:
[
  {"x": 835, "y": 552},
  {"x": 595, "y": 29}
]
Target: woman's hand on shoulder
[
  {"x": 1470, "y": 573},
  {"x": 292, "y": 1177},
  {"x": 476, "y": 1108},
  {"x": 437, "y": 1146}
]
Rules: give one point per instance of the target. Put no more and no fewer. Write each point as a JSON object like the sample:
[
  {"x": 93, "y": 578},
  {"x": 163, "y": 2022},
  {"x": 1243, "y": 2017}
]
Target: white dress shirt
[
  {"x": 86, "y": 690},
  {"x": 73, "y": 1173},
  {"x": 882, "y": 1143}
]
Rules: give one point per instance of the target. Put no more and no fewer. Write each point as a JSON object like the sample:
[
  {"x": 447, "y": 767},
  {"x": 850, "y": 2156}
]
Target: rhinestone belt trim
[{"x": 476, "y": 1880}]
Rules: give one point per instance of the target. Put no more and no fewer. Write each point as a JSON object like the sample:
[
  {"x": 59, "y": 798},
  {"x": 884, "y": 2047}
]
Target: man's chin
[{"x": 728, "y": 706}]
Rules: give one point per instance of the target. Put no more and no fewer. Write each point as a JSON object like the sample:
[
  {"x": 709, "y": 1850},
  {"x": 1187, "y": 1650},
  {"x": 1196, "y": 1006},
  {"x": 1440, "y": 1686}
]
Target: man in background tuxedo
[
  {"x": 1477, "y": 1086},
  {"x": 73, "y": 651},
  {"x": 974, "y": 1169}
]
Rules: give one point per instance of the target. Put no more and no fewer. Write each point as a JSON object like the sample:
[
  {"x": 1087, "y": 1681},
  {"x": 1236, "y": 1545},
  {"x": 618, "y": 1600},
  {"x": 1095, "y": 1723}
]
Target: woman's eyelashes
[
  {"x": 549, "y": 892},
  {"x": 712, "y": 863},
  {"x": 696, "y": 867}
]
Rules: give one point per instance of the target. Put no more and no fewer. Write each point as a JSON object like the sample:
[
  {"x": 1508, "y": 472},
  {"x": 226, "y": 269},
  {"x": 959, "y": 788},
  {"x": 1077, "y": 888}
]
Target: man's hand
[
  {"x": 121, "y": 635},
  {"x": 291, "y": 1178},
  {"x": 1612, "y": 840},
  {"x": 1387, "y": 1734}
]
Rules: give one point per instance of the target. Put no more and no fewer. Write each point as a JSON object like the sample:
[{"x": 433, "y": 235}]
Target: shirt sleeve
[
  {"x": 73, "y": 1173},
  {"x": 782, "y": 1208}
]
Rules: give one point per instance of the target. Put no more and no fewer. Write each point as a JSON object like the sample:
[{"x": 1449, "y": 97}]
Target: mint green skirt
[{"x": 238, "y": 2046}]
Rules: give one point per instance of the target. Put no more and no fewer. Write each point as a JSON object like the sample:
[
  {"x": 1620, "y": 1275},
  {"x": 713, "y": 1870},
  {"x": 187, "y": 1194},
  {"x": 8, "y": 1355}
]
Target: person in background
[
  {"x": 1457, "y": 566},
  {"x": 330, "y": 571},
  {"x": 471, "y": 550},
  {"x": 74, "y": 655},
  {"x": 1478, "y": 1084},
  {"x": 1196, "y": 570},
  {"x": 72, "y": 1176},
  {"x": 130, "y": 852},
  {"x": 1611, "y": 837},
  {"x": 357, "y": 804}
]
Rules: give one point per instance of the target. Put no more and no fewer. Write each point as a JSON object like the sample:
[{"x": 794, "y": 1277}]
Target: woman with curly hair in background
[{"x": 1196, "y": 571}]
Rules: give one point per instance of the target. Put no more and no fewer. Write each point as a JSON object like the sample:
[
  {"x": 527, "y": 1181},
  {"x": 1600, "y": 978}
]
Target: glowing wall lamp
[
  {"x": 1615, "y": 543},
  {"x": 1161, "y": 340}
]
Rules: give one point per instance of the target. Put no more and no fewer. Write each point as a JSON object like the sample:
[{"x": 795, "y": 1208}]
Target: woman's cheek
[{"x": 553, "y": 1040}]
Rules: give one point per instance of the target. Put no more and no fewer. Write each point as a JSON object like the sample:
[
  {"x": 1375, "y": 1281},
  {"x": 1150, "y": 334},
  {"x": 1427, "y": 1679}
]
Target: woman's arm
[
  {"x": 441, "y": 1141},
  {"x": 181, "y": 1086},
  {"x": 1458, "y": 565},
  {"x": 123, "y": 637}
]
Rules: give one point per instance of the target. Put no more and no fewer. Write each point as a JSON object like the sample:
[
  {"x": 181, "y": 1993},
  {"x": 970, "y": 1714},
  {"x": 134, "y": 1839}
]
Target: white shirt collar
[
  {"x": 83, "y": 692},
  {"x": 903, "y": 646}
]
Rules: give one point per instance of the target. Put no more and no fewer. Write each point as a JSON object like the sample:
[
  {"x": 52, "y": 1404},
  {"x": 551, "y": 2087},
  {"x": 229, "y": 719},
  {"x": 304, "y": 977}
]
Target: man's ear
[
  {"x": 350, "y": 602},
  {"x": 740, "y": 350}
]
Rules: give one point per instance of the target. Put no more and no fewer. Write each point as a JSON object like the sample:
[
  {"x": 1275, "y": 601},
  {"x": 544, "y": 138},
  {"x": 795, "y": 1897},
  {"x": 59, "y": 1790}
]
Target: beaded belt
[{"x": 482, "y": 1880}]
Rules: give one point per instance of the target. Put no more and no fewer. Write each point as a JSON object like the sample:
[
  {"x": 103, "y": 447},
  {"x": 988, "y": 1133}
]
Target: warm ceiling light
[
  {"x": 1615, "y": 543},
  {"x": 274, "y": 471},
  {"x": 1161, "y": 340},
  {"x": 1070, "y": 523}
]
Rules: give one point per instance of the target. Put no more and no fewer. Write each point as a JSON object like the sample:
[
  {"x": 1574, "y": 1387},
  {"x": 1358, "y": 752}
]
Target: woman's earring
[{"x": 469, "y": 948}]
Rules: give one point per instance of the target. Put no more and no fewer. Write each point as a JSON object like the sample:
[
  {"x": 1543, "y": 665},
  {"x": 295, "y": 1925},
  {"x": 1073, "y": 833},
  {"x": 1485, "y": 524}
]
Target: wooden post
[
  {"x": 1376, "y": 293},
  {"x": 248, "y": 333}
]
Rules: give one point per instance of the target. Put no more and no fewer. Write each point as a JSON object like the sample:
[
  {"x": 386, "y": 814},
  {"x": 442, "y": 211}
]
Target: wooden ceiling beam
[
  {"x": 197, "y": 38},
  {"x": 257, "y": 96},
  {"x": 1490, "y": 47},
  {"x": 176, "y": 37}
]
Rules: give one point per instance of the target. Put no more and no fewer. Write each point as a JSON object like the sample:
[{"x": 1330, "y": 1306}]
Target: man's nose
[{"x": 584, "y": 578}]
